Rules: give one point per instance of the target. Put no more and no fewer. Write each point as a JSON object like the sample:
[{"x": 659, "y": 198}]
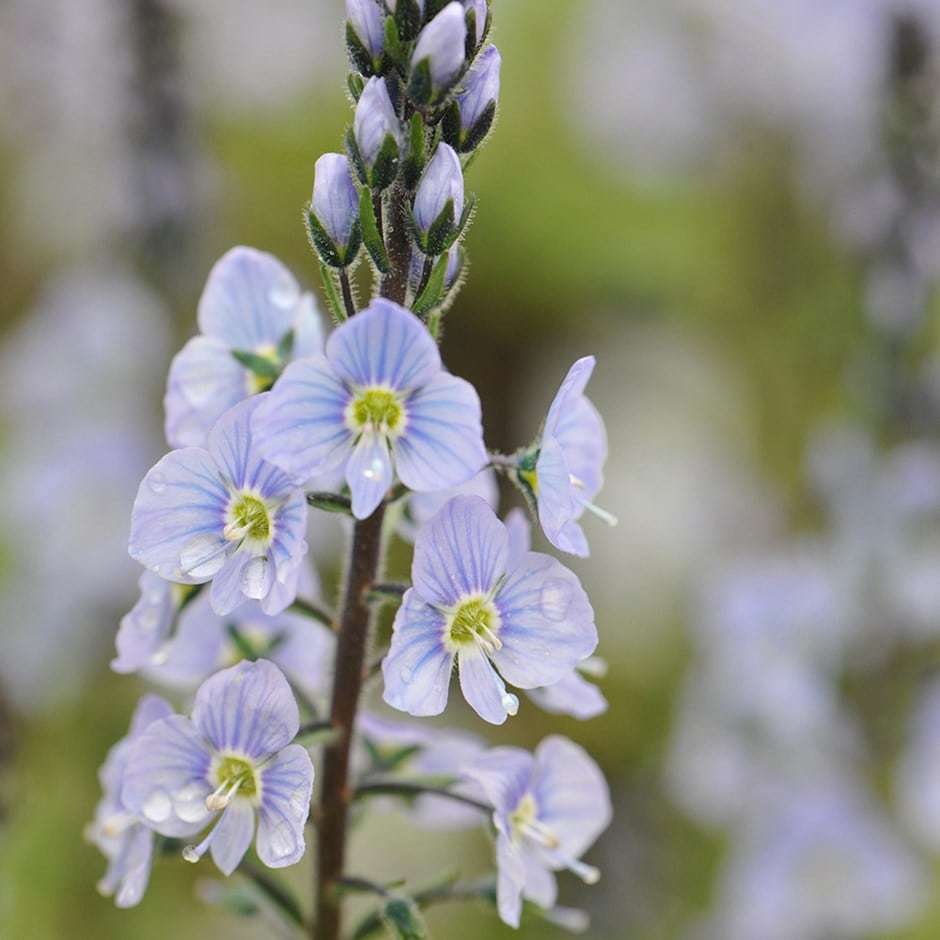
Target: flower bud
[
  {"x": 439, "y": 55},
  {"x": 333, "y": 215},
  {"x": 476, "y": 104},
  {"x": 438, "y": 202},
  {"x": 377, "y": 135},
  {"x": 365, "y": 35},
  {"x": 479, "y": 11}
]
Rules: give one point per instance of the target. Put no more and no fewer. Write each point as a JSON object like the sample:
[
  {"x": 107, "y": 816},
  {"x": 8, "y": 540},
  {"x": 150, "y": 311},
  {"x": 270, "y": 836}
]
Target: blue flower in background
[
  {"x": 562, "y": 473},
  {"x": 548, "y": 808},
  {"x": 474, "y": 601},
  {"x": 254, "y": 319},
  {"x": 234, "y": 757},
  {"x": 379, "y": 398},
  {"x": 225, "y": 515}
]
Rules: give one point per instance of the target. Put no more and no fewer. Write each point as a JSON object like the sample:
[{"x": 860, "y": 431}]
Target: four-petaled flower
[
  {"x": 254, "y": 319},
  {"x": 234, "y": 757},
  {"x": 476, "y": 600},
  {"x": 379, "y": 395},
  {"x": 548, "y": 808},
  {"x": 223, "y": 514},
  {"x": 562, "y": 472}
]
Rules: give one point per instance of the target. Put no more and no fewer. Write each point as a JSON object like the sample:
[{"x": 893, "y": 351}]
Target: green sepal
[
  {"x": 385, "y": 168},
  {"x": 441, "y": 234},
  {"x": 388, "y": 761},
  {"x": 355, "y": 157},
  {"x": 469, "y": 207},
  {"x": 332, "y": 298},
  {"x": 262, "y": 367},
  {"x": 470, "y": 43},
  {"x": 370, "y": 231},
  {"x": 407, "y": 19},
  {"x": 393, "y": 48},
  {"x": 414, "y": 160},
  {"x": 472, "y": 139},
  {"x": 320, "y": 240},
  {"x": 432, "y": 8},
  {"x": 330, "y": 502},
  {"x": 355, "y": 84},
  {"x": 450, "y": 125},
  {"x": 431, "y": 295},
  {"x": 285, "y": 347},
  {"x": 420, "y": 87},
  {"x": 359, "y": 57},
  {"x": 402, "y": 918}
]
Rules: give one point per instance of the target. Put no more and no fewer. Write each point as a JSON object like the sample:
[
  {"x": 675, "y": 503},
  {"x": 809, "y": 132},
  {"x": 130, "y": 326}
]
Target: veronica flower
[
  {"x": 561, "y": 473},
  {"x": 234, "y": 757},
  {"x": 548, "y": 808},
  {"x": 225, "y": 515},
  {"x": 125, "y": 841},
  {"x": 475, "y": 603},
  {"x": 378, "y": 399},
  {"x": 420, "y": 508},
  {"x": 253, "y": 319}
]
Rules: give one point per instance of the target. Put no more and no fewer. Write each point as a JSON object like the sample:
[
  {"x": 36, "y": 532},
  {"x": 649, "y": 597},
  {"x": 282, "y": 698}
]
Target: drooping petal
[
  {"x": 442, "y": 445},
  {"x": 384, "y": 345},
  {"x": 286, "y": 783},
  {"x": 540, "y": 884},
  {"x": 571, "y": 793},
  {"x": 571, "y": 388},
  {"x": 247, "y": 710},
  {"x": 181, "y": 500},
  {"x": 301, "y": 425},
  {"x": 483, "y": 689},
  {"x": 418, "y": 666},
  {"x": 510, "y": 881},
  {"x": 166, "y": 778},
  {"x": 250, "y": 299},
  {"x": 134, "y": 867},
  {"x": 369, "y": 474},
  {"x": 232, "y": 835},
  {"x": 583, "y": 438},
  {"x": 547, "y": 623},
  {"x": 462, "y": 550},
  {"x": 556, "y": 503},
  {"x": 572, "y": 695},
  {"x": 227, "y": 591},
  {"x": 146, "y": 627}
]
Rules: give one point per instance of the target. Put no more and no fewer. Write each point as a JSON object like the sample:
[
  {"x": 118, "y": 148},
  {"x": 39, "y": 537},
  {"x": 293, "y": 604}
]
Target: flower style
[
  {"x": 225, "y": 515},
  {"x": 232, "y": 757},
  {"x": 125, "y": 841},
  {"x": 561, "y": 473},
  {"x": 548, "y": 808},
  {"x": 378, "y": 397},
  {"x": 253, "y": 319},
  {"x": 473, "y": 600}
]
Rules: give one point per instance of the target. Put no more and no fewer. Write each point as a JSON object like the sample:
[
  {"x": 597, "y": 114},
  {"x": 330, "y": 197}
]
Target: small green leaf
[
  {"x": 385, "y": 167},
  {"x": 393, "y": 47},
  {"x": 414, "y": 159},
  {"x": 401, "y": 917},
  {"x": 477, "y": 134},
  {"x": 420, "y": 86},
  {"x": 262, "y": 367},
  {"x": 330, "y": 502},
  {"x": 359, "y": 56},
  {"x": 407, "y": 19},
  {"x": 442, "y": 232},
  {"x": 355, "y": 84},
  {"x": 370, "y": 231},
  {"x": 285, "y": 347},
  {"x": 355, "y": 157},
  {"x": 433, "y": 289},
  {"x": 332, "y": 298},
  {"x": 321, "y": 242}
]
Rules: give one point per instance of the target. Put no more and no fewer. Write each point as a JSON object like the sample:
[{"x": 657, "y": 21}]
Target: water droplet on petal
[
  {"x": 281, "y": 840},
  {"x": 405, "y": 674},
  {"x": 204, "y": 555},
  {"x": 255, "y": 577},
  {"x": 556, "y": 596},
  {"x": 284, "y": 293},
  {"x": 156, "y": 481},
  {"x": 157, "y": 806},
  {"x": 189, "y": 803},
  {"x": 510, "y": 703},
  {"x": 149, "y": 620},
  {"x": 190, "y": 854}
]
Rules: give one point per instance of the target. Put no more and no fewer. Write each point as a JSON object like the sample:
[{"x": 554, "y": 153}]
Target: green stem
[{"x": 416, "y": 788}]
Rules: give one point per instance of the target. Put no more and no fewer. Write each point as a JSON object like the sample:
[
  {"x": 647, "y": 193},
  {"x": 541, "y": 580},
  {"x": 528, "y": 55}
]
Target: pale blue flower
[
  {"x": 234, "y": 757},
  {"x": 474, "y": 602},
  {"x": 477, "y": 100},
  {"x": 225, "y": 515},
  {"x": 378, "y": 399},
  {"x": 562, "y": 472},
  {"x": 420, "y": 508},
  {"x": 251, "y": 305},
  {"x": 367, "y": 20},
  {"x": 480, "y": 13},
  {"x": 377, "y": 133},
  {"x": 441, "y": 50},
  {"x": 334, "y": 211},
  {"x": 439, "y": 201},
  {"x": 548, "y": 808},
  {"x": 124, "y": 840}
]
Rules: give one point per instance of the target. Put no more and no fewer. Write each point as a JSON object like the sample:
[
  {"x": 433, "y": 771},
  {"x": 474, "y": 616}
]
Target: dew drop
[
  {"x": 254, "y": 581},
  {"x": 556, "y": 596},
  {"x": 284, "y": 293},
  {"x": 189, "y": 803},
  {"x": 406, "y": 674},
  {"x": 190, "y": 854},
  {"x": 156, "y": 481},
  {"x": 157, "y": 806},
  {"x": 203, "y": 556},
  {"x": 510, "y": 703}
]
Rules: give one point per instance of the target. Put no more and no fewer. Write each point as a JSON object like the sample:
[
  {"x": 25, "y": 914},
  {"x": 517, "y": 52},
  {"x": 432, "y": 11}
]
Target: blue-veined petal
[
  {"x": 232, "y": 835},
  {"x": 286, "y": 783},
  {"x": 248, "y": 710},
  {"x": 369, "y": 474},
  {"x": 442, "y": 445},
  {"x": 510, "y": 880},
  {"x": 571, "y": 695},
  {"x": 483, "y": 689},
  {"x": 556, "y": 503},
  {"x": 418, "y": 666}
]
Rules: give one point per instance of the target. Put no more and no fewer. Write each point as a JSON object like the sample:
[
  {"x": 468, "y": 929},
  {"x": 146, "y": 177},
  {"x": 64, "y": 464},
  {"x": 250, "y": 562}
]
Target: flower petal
[
  {"x": 483, "y": 689},
  {"x": 166, "y": 778},
  {"x": 540, "y": 884},
  {"x": 547, "y": 623},
  {"x": 442, "y": 445},
  {"x": 571, "y": 695},
  {"x": 181, "y": 499},
  {"x": 511, "y": 872},
  {"x": 384, "y": 345},
  {"x": 301, "y": 424},
  {"x": 369, "y": 474},
  {"x": 286, "y": 785},
  {"x": 462, "y": 550},
  {"x": 556, "y": 503},
  {"x": 247, "y": 710},
  {"x": 232, "y": 835},
  {"x": 418, "y": 666}
]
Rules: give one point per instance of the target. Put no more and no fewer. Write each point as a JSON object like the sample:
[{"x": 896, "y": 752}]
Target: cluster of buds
[{"x": 425, "y": 83}]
